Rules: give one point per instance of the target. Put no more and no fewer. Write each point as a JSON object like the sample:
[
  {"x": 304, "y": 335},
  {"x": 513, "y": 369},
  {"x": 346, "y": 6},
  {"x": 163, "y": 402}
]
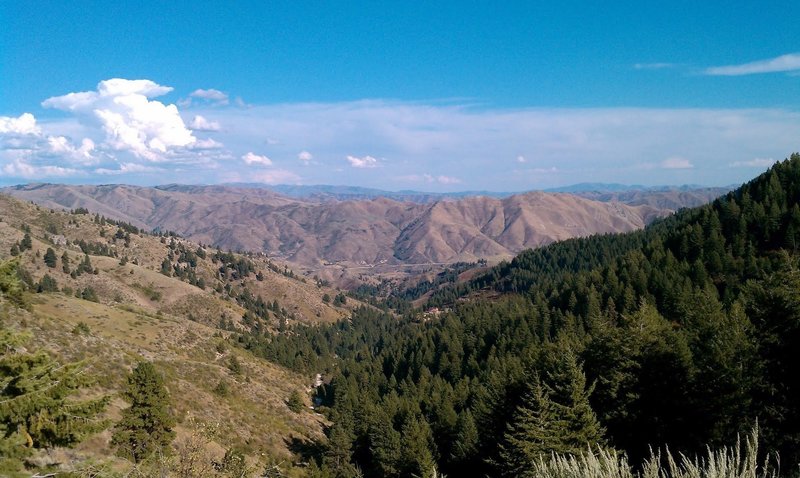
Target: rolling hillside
[
  {"x": 370, "y": 232},
  {"x": 111, "y": 294}
]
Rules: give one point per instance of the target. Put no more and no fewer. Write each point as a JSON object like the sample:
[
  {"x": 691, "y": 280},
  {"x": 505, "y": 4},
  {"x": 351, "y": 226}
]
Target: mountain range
[{"x": 354, "y": 227}]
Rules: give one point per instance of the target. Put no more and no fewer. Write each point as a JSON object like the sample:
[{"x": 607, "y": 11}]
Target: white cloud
[
  {"x": 199, "y": 123},
  {"x": 521, "y": 159},
  {"x": 24, "y": 124},
  {"x": 653, "y": 66},
  {"x": 305, "y": 156},
  {"x": 252, "y": 158},
  {"x": 753, "y": 163},
  {"x": 128, "y": 168},
  {"x": 429, "y": 178},
  {"x": 275, "y": 176},
  {"x": 789, "y": 62},
  {"x": 211, "y": 95},
  {"x": 365, "y": 162},
  {"x": 205, "y": 144},
  {"x": 551, "y": 169},
  {"x": 62, "y": 146},
  {"x": 676, "y": 162},
  {"x": 447, "y": 180},
  {"x": 130, "y": 120},
  {"x": 21, "y": 169}
]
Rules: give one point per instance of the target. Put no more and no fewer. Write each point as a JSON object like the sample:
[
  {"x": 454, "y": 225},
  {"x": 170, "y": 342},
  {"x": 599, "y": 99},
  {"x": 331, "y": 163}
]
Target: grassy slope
[{"x": 131, "y": 323}]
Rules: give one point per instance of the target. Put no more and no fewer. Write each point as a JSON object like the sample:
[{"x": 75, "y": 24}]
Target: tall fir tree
[
  {"x": 554, "y": 417},
  {"x": 37, "y": 404},
  {"x": 147, "y": 425},
  {"x": 50, "y": 258}
]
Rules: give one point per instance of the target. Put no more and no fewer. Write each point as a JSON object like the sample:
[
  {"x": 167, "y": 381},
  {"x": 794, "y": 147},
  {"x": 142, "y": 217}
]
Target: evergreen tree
[
  {"x": 47, "y": 284},
  {"x": 554, "y": 417},
  {"x": 37, "y": 404},
  {"x": 10, "y": 286},
  {"x": 65, "y": 262},
  {"x": 166, "y": 267},
  {"x": 147, "y": 425},
  {"x": 26, "y": 242},
  {"x": 295, "y": 402},
  {"x": 50, "y": 258}
]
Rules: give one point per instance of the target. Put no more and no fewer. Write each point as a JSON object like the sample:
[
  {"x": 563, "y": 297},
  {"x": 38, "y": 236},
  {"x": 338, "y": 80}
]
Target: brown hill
[
  {"x": 123, "y": 295},
  {"x": 362, "y": 233}
]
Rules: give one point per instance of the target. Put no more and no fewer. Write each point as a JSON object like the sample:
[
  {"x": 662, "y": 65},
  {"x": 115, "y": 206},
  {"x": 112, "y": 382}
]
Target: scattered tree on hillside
[
  {"x": 50, "y": 258},
  {"x": 147, "y": 425},
  {"x": 37, "y": 404}
]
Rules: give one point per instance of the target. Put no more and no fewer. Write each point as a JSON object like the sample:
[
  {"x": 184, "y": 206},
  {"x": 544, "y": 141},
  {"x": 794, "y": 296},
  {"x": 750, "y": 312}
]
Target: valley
[{"x": 338, "y": 238}]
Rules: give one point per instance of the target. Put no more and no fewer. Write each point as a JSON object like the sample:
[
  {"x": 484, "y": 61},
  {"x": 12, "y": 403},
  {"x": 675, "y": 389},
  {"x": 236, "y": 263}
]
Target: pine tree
[
  {"x": 65, "y": 263},
  {"x": 555, "y": 417},
  {"x": 26, "y": 242},
  {"x": 37, "y": 408},
  {"x": 50, "y": 257},
  {"x": 10, "y": 285},
  {"x": 147, "y": 425}
]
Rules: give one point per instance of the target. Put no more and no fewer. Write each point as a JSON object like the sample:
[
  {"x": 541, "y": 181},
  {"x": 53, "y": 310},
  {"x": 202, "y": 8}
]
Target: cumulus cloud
[
  {"x": 252, "y": 158},
  {"x": 199, "y": 123},
  {"x": 753, "y": 163},
  {"x": 24, "y": 124},
  {"x": 363, "y": 162},
  {"x": 305, "y": 156},
  {"x": 61, "y": 146},
  {"x": 131, "y": 121},
  {"x": 789, "y": 62},
  {"x": 676, "y": 162},
  {"x": 521, "y": 159}
]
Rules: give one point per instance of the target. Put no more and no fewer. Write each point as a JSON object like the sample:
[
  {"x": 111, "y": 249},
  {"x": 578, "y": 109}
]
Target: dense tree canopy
[{"x": 681, "y": 334}]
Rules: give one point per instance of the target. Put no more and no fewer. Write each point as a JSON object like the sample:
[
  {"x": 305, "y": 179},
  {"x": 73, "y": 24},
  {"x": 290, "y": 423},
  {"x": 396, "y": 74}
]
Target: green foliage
[
  {"x": 295, "y": 402},
  {"x": 81, "y": 328},
  {"x": 37, "y": 404},
  {"x": 65, "y": 263},
  {"x": 10, "y": 284},
  {"x": 26, "y": 243},
  {"x": 147, "y": 425},
  {"x": 685, "y": 333},
  {"x": 88, "y": 293},
  {"x": 47, "y": 284},
  {"x": 50, "y": 258},
  {"x": 340, "y": 299},
  {"x": 222, "y": 389},
  {"x": 235, "y": 366},
  {"x": 234, "y": 464},
  {"x": 554, "y": 417}
]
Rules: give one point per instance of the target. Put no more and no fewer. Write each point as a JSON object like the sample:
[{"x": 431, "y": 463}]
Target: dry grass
[{"x": 737, "y": 461}]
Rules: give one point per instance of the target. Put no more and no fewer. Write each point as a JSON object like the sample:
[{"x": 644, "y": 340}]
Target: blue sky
[{"x": 442, "y": 96}]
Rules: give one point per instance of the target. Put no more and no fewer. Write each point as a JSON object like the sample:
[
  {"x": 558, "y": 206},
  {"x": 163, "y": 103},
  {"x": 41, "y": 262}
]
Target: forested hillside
[{"x": 683, "y": 334}]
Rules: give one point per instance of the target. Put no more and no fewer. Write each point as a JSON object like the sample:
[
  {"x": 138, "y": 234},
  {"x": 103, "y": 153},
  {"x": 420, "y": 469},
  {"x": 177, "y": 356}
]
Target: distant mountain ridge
[
  {"x": 340, "y": 192},
  {"x": 365, "y": 231}
]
